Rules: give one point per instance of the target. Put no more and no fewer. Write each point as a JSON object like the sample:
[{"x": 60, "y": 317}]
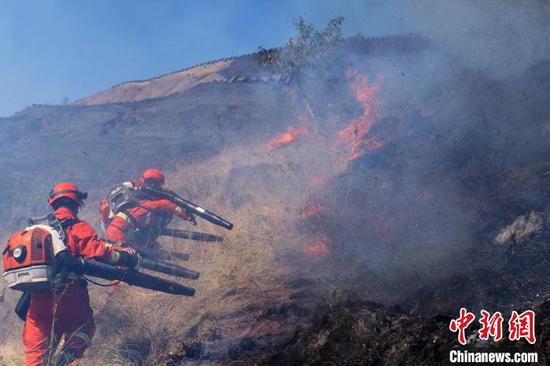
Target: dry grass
[
  {"x": 239, "y": 277},
  {"x": 523, "y": 229},
  {"x": 11, "y": 353},
  {"x": 263, "y": 193},
  {"x": 177, "y": 82},
  {"x": 138, "y": 325}
]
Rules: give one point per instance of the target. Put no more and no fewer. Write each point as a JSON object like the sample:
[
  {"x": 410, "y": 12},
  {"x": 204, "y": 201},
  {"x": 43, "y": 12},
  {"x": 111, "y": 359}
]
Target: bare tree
[{"x": 308, "y": 51}]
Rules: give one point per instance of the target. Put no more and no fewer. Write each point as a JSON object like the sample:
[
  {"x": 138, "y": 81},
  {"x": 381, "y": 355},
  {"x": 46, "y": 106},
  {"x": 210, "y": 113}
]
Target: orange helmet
[
  {"x": 153, "y": 176},
  {"x": 67, "y": 190}
]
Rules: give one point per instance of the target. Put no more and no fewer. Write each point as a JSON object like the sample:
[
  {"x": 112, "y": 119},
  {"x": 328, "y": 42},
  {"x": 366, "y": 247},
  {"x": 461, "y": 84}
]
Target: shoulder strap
[
  {"x": 131, "y": 218},
  {"x": 61, "y": 226},
  {"x": 65, "y": 224}
]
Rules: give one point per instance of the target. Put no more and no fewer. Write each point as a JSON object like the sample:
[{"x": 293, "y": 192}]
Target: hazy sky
[{"x": 73, "y": 48}]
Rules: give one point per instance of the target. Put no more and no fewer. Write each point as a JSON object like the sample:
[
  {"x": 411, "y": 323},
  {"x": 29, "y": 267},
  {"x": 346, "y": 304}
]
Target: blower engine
[{"x": 29, "y": 257}]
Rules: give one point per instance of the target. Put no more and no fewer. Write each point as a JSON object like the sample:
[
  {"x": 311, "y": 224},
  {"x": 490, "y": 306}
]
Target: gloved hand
[
  {"x": 187, "y": 216},
  {"x": 128, "y": 257},
  {"x": 191, "y": 218},
  {"x": 131, "y": 251}
]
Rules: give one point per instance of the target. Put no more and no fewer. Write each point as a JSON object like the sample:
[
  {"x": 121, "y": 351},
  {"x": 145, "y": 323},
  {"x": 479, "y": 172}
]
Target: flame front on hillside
[
  {"x": 311, "y": 210},
  {"x": 318, "y": 181},
  {"x": 318, "y": 247},
  {"x": 291, "y": 135},
  {"x": 356, "y": 134},
  {"x": 355, "y": 138}
]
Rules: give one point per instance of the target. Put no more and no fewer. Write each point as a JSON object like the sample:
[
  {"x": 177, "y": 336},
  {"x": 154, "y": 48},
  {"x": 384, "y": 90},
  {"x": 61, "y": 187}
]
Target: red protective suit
[
  {"x": 67, "y": 310},
  {"x": 148, "y": 215}
]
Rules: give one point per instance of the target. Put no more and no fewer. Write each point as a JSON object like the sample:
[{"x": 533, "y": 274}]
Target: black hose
[
  {"x": 189, "y": 206},
  {"x": 157, "y": 284},
  {"x": 170, "y": 269},
  {"x": 132, "y": 277},
  {"x": 191, "y": 235},
  {"x": 103, "y": 270}
]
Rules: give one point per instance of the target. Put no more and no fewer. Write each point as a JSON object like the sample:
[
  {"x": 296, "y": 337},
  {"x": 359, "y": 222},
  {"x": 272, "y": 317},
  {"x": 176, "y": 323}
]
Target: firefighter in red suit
[
  {"x": 64, "y": 311},
  {"x": 142, "y": 223}
]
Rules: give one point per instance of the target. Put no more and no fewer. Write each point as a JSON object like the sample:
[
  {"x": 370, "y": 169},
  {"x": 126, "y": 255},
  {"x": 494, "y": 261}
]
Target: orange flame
[
  {"x": 318, "y": 181},
  {"x": 311, "y": 209},
  {"x": 356, "y": 133},
  {"x": 317, "y": 248},
  {"x": 290, "y": 135}
]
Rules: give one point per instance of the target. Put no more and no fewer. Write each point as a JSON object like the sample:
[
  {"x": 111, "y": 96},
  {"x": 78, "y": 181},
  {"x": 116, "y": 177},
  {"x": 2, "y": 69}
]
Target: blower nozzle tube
[{"x": 132, "y": 277}]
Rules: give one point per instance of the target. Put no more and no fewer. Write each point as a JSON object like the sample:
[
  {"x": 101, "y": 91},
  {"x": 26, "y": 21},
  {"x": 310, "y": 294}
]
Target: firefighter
[
  {"x": 142, "y": 223},
  {"x": 64, "y": 310}
]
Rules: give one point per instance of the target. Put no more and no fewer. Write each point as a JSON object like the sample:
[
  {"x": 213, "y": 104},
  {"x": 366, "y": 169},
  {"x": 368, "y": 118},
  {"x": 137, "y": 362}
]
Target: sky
[{"x": 51, "y": 50}]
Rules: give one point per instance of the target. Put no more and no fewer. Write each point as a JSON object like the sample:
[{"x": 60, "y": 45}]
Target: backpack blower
[
  {"x": 125, "y": 195},
  {"x": 37, "y": 258}
]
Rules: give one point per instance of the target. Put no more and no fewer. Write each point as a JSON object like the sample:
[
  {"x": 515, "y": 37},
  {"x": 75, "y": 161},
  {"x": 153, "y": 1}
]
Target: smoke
[
  {"x": 410, "y": 209},
  {"x": 381, "y": 174},
  {"x": 501, "y": 38},
  {"x": 473, "y": 33}
]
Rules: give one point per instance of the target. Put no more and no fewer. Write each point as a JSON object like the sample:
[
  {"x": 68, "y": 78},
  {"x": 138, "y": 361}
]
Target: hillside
[{"x": 388, "y": 178}]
